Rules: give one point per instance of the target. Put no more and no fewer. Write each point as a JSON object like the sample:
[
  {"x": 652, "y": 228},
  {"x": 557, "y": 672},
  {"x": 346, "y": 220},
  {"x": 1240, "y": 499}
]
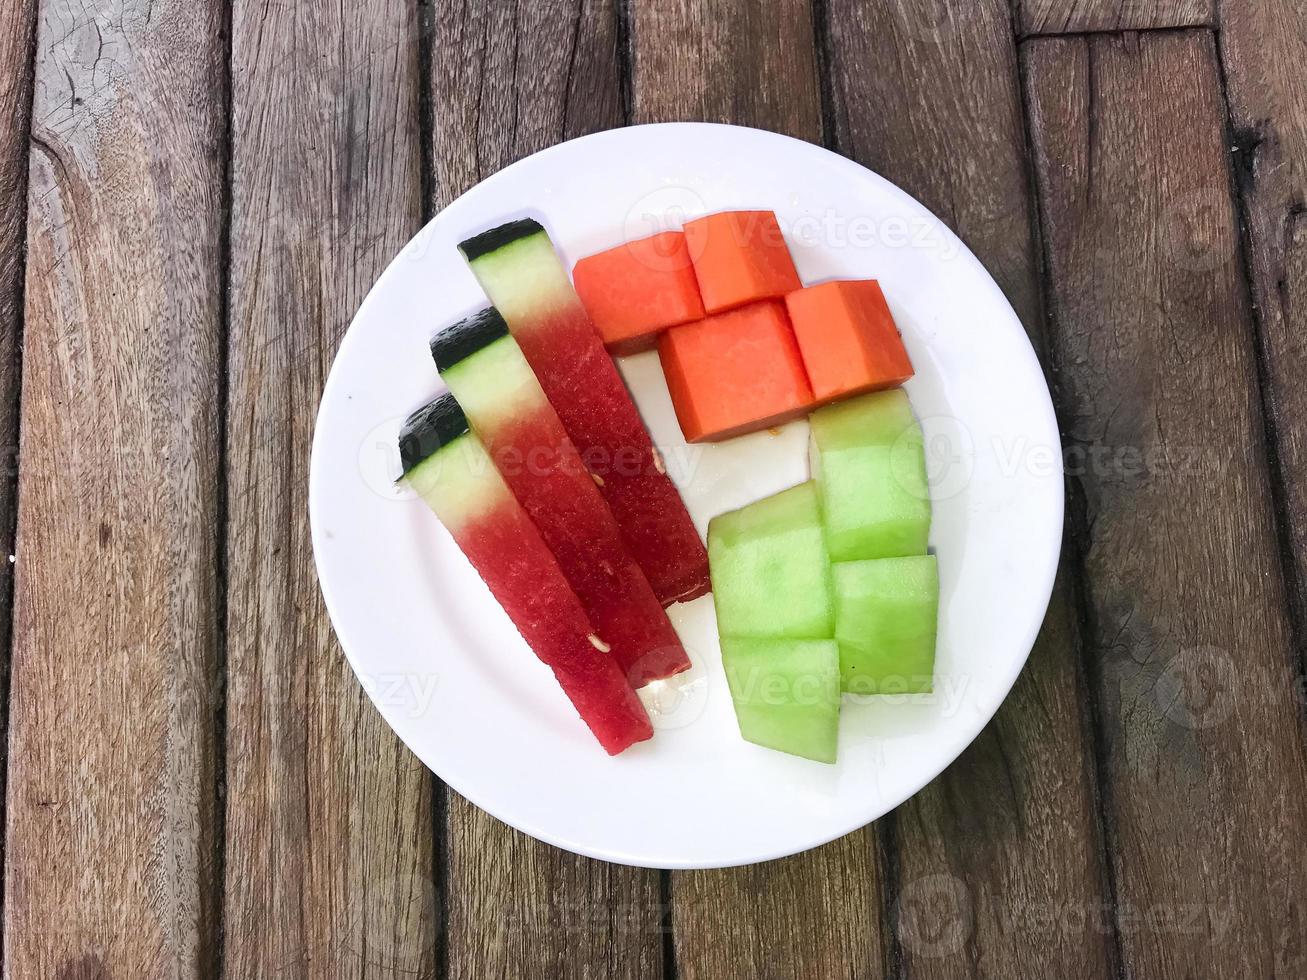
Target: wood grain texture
[
  {"x": 329, "y": 863},
  {"x": 1206, "y": 786},
  {"x": 510, "y": 79},
  {"x": 520, "y": 908},
  {"x": 818, "y": 914},
  {"x": 1000, "y": 860},
  {"x": 507, "y": 80},
  {"x": 821, "y": 913},
  {"x": 17, "y": 32},
  {"x": 112, "y": 814},
  {"x": 1264, "y": 46},
  {"x": 728, "y": 61},
  {"x": 1075, "y": 16}
]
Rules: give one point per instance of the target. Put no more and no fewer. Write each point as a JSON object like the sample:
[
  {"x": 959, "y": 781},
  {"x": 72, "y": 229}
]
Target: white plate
[{"x": 455, "y": 681}]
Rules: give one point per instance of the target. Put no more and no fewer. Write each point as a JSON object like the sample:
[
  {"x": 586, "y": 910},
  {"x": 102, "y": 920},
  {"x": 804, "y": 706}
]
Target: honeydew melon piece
[
  {"x": 770, "y": 572},
  {"x": 786, "y": 693},
  {"x": 869, "y": 464},
  {"x": 875, "y": 501},
  {"x": 886, "y": 618}
]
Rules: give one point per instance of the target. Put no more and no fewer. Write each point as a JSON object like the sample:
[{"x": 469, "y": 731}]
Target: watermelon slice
[
  {"x": 449, "y": 469},
  {"x": 521, "y": 273},
  {"x": 494, "y": 385}
]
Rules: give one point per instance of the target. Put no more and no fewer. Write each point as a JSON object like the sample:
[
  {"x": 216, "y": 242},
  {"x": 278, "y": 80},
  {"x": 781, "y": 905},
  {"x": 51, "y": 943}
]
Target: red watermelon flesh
[
  {"x": 520, "y": 271},
  {"x": 459, "y": 482},
  {"x": 531, "y": 449}
]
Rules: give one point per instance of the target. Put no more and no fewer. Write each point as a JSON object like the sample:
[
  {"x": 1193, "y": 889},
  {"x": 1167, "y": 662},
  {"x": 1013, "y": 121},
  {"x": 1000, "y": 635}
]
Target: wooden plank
[
  {"x": 1077, "y": 16},
  {"x": 510, "y": 79},
  {"x": 17, "y": 33},
  {"x": 520, "y": 908},
  {"x": 112, "y": 809},
  {"x": 728, "y": 61},
  {"x": 817, "y": 914},
  {"x": 1264, "y": 45},
  {"x": 1007, "y": 837},
  {"x": 507, "y": 80},
  {"x": 329, "y": 864},
  {"x": 935, "y": 106},
  {"x": 1206, "y": 789}
]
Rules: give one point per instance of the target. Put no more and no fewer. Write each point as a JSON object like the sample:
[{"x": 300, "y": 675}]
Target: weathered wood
[
  {"x": 17, "y": 32},
  {"x": 1264, "y": 46},
  {"x": 329, "y": 862},
  {"x": 112, "y": 807},
  {"x": 729, "y": 61},
  {"x": 508, "y": 80},
  {"x": 935, "y": 106},
  {"x": 1070, "y": 16},
  {"x": 817, "y": 914},
  {"x": 1006, "y": 840},
  {"x": 1206, "y": 788},
  {"x": 520, "y": 908}
]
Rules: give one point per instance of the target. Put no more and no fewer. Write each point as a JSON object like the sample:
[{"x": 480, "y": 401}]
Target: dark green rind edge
[
  {"x": 496, "y": 238},
  {"x": 432, "y": 427},
  {"x": 466, "y": 337}
]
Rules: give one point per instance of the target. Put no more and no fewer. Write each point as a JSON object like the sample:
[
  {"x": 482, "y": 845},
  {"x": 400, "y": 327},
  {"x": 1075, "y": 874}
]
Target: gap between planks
[{"x": 221, "y": 542}]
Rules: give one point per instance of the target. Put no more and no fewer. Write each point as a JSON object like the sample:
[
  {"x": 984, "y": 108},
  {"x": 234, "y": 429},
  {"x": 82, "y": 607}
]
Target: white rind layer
[
  {"x": 459, "y": 482},
  {"x": 525, "y": 279},
  {"x": 495, "y": 384}
]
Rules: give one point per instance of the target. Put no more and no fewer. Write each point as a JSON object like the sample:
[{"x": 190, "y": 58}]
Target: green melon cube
[
  {"x": 869, "y": 463},
  {"x": 886, "y": 615},
  {"x": 786, "y": 693},
  {"x": 880, "y": 418},
  {"x": 875, "y": 501},
  {"x": 770, "y": 573}
]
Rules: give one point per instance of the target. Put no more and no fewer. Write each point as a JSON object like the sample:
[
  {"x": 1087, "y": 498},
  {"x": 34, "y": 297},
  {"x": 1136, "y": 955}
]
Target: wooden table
[{"x": 197, "y": 785}]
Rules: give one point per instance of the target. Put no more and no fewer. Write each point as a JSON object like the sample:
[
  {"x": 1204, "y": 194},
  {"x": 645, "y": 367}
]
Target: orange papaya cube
[
  {"x": 740, "y": 257},
  {"x": 635, "y": 291},
  {"x": 848, "y": 338},
  {"x": 735, "y": 372}
]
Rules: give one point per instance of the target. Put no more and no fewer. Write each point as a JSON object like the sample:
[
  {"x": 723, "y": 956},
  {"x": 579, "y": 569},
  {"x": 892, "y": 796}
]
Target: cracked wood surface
[
  {"x": 1205, "y": 782},
  {"x": 112, "y": 819},
  {"x": 1264, "y": 49},
  {"x": 17, "y": 34}
]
